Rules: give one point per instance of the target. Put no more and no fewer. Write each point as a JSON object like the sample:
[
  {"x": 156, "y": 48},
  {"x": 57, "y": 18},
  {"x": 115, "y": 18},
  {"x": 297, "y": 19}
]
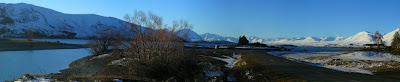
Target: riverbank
[{"x": 18, "y": 45}]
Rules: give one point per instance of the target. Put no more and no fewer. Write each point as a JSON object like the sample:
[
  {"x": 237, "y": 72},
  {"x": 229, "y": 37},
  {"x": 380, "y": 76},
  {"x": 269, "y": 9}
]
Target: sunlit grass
[{"x": 249, "y": 69}]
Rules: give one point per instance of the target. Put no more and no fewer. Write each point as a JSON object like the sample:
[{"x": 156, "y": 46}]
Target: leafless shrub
[
  {"x": 105, "y": 39},
  {"x": 159, "y": 49},
  {"x": 156, "y": 49},
  {"x": 29, "y": 34}
]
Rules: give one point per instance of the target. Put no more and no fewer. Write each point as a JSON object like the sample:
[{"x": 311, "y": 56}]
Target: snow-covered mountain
[
  {"x": 362, "y": 37},
  {"x": 191, "y": 35},
  {"x": 214, "y": 37},
  {"x": 312, "y": 39},
  {"x": 356, "y": 40},
  {"x": 339, "y": 38},
  {"x": 389, "y": 37},
  {"x": 253, "y": 39},
  {"x": 17, "y": 18},
  {"x": 323, "y": 39}
]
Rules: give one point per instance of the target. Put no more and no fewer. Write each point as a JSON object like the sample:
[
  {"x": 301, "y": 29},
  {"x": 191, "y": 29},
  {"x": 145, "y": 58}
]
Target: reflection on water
[{"x": 15, "y": 63}]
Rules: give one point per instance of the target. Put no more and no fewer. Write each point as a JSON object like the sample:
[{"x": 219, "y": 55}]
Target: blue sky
[{"x": 262, "y": 18}]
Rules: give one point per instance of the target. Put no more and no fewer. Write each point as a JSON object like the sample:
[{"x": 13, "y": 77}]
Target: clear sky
[{"x": 262, "y": 18}]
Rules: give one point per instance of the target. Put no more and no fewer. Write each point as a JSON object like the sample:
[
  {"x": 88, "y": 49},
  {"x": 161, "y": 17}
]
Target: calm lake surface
[
  {"x": 69, "y": 41},
  {"x": 15, "y": 63}
]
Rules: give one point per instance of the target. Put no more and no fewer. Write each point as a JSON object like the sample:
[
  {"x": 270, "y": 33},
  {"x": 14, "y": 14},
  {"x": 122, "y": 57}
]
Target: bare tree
[
  {"x": 29, "y": 34},
  {"x": 378, "y": 40},
  {"x": 102, "y": 42},
  {"x": 152, "y": 37},
  {"x": 159, "y": 48}
]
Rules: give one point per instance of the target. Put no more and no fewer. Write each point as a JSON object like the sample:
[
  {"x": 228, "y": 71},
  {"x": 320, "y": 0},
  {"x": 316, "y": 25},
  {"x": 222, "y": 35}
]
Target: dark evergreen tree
[{"x": 396, "y": 43}]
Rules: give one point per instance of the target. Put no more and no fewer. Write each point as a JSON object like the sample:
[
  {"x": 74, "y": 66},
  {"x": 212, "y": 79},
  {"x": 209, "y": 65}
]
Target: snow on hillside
[
  {"x": 214, "y": 37},
  {"x": 17, "y": 18},
  {"x": 389, "y": 37},
  {"x": 312, "y": 39},
  {"x": 362, "y": 37},
  {"x": 191, "y": 35},
  {"x": 328, "y": 38},
  {"x": 356, "y": 40},
  {"x": 20, "y": 17},
  {"x": 339, "y": 39},
  {"x": 253, "y": 39}
]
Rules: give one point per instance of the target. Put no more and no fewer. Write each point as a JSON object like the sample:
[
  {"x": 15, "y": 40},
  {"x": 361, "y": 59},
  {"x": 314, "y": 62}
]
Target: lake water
[
  {"x": 69, "y": 41},
  {"x": 15, "y": 63}
]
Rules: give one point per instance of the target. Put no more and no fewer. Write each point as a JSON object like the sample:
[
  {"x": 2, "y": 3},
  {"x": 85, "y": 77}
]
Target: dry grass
[{"x": 258, "y": 72}]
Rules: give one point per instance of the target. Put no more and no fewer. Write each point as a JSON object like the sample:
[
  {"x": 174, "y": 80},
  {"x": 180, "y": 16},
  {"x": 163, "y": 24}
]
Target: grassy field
[
  {"x": 15, "y": 45},
  {"x": 248, "y": 69}
]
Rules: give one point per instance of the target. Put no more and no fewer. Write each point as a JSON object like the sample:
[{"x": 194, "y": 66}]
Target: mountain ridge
[{"x": 16, "y": 19}]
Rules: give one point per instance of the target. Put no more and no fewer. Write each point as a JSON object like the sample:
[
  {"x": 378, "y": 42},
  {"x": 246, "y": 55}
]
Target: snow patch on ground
[
  {"x": 123, "y": 61},
  {"x": 305, "y": 53},
  {"x": 343, "y": 60},
  {"x": 356, "y": 70},
  {"x": 230, "y": 60},
  {"x": 373, "y": 56},
  {"x": 100, "y": 56}
]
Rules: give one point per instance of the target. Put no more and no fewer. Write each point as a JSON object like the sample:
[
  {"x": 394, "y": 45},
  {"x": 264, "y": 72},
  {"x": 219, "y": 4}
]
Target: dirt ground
[{"x": 304, "y": 71}]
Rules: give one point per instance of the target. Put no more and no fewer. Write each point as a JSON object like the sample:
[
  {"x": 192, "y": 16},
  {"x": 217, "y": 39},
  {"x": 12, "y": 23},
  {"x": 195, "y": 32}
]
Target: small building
[{"x": 243, "y": 40}]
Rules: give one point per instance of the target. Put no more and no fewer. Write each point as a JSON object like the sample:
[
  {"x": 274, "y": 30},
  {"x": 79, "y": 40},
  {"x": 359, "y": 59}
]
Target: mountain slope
[
  {"x": 328, "y": 39},
  {"x": 356, "y": 40},
  {"x": 20, "y": 17},
  {"x": 312, "y": 39},
  {"x": 214, "y": 37},
  {"x": 339, "y": 39},
  {"x": 191, "y": 35},
  {"x": 16, "y": 19},
  {"x": 253, "y": 39},
  {"x": 389, "y": 37},
  {"x": 362, "y": 37}
]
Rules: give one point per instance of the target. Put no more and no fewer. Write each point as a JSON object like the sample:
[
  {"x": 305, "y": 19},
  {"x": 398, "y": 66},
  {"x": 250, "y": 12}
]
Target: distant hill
[
  {"x": 214, "y": 37},
  {"x": 191, "y": 35},
  {"x": 362, "y": 37},
  {"x": 358, "y": 39},
  {"x": 16, "y": 19}
]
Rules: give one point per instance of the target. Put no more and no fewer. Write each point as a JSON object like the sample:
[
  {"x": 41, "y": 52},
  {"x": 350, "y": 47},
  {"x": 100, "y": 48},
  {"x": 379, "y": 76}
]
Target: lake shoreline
[{"x": 24, "y": 45}]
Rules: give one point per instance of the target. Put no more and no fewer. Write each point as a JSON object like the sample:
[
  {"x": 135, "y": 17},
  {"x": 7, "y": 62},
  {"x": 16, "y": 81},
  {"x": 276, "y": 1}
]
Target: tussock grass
[{"x": 248, "y": 69}]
